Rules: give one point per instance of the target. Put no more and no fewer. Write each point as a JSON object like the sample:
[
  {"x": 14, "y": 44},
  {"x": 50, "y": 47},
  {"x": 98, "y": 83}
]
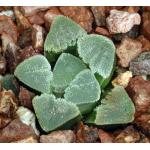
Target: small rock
[
  {"x": 146, "y": 24},
  {"x": 27, "y": 52},
  {"x": 121, "y": 21},
  {"x": 37, "y": 18},
  {"x": 128, "y": 135},
  {"x": 11, "y": 53},
  {"x": 128, "y": 50},
  {"x": 141, "y": 64},
  {"x": 86, "y": 134},
  {"x": 50, "y": 16},
  {"x": 143, "y": 123},
  {"x": 2, "y": 64},
  {"x": 25, "y": 97},
  {"x": 8, "y": 103},
  {"x": 64, "y": 136},
  {"x": 102, "y": 31},
  {"x": 30, "y": 139},
  {"x": 6, "y": 40},
  {"x": 147, "y": 8},
  {"x": 138, "y": 90},
  {"x": 7, "y": 26},
  {"x": 14, "y": 131},
  {"x": 27, "y": 117},
  {"x": 22, "y": 21},
  {"x": 131, "y": 9},
  {"x": 4, "y": 121},
  {"x": 8, "y": 13},
  {"x": 105, "y": 137},
  {"x": 99, "y": 13},
  {"x": 145, "y": 43},
  {"x": 38, "y": 34},
  {"x": 81, "y": 15},
  {"x": 122, "y": 79},
  {"x": 32, "y": 10},
  {"x": 25, "y": 38}
]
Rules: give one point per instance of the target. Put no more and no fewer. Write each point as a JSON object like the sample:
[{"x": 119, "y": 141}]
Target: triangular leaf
[
  {"x": 63, "y": 34},
  {"x": 54, "y": 113},
  {"x": 84, "y": 91},
  {"x": 116, "y": 108},
  {"x": 66, "y": 68},
  {"x": 36, "y": 73},
  {"x": 99, "y": 52}
]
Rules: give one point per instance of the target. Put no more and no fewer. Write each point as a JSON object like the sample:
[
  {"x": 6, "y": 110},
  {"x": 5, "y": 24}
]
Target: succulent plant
[
  {"x": 84, "y": 91},
  {"x": 66, "y": 68},
  {"x": 36, "y": 73},
  {"x": 63, "y": 34},
  {"x": 99, "y": 53},
  {"x": 54, "y": 113},
  {"x": 115, "y": 108}
]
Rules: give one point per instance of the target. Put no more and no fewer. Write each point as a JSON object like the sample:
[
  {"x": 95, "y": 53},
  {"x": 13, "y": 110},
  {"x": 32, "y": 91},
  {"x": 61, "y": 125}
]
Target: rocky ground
[{"x": 22, "y": 35}]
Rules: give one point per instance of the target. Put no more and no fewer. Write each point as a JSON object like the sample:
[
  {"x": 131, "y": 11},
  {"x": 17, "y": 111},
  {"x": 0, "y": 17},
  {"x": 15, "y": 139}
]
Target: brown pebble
[
  {"x": 8, "y": 26},
  {"x": 63, "y": 136},
  {"x": 16, "y": 130},
  {"x": 25, "y": 97},
  {"x": 81, "y": 15},
  {"x": 146, "y": 24},
  {"x": 128, "y": 50},
  {"x": 138, "y": 90},
  {"x": 38, "y": 34}
]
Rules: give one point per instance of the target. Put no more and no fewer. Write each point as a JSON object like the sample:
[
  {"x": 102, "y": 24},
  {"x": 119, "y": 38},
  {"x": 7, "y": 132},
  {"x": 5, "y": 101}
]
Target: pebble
[
  {"x": 141, "y": 64},
  {"x": 27, "y": 117},
  {"x": 145, "y": 43},
  {"x": 138, "y": 90},
  {"x": 8, "y": 26},
  {"x": 2, "y": 64},
  {"x": 25, "y": 97},
  {"x": 63, "y": 136},
  {"x": 81, "y": 15},
  {"x": 143, "y": 123},
  {"x": 122, "y": 79},
  {"x": 102, "y": 31},
  {"x": 50, "y": 16},
  {"x": 146, "y": 24},
  {"x": 128, "y": 135},
  {"x": 121, "y": 21},
  {"x": 22, "y": 21},
  {"x": 105, "y": 137},
  {"x": 37, "y": 19},
  {"x": 38, "y": 34},
  {"x": 128, "y": 50},
  {"x": 8, "y": 103},
  {"x": 86, "y": 134},
  {"x": 32, "y": 10},
  {"x": 99, "y": 13},
  {"x": 14, "y": 131},
  {"x": 30, "y": 139}
]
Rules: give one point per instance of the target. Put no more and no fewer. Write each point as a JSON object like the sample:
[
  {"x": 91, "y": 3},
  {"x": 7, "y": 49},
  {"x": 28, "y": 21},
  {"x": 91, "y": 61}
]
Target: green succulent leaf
[
  {"x": 66, "y": 68},
  {"x": 99, "y": 53},
  {"x": 54, "y": 113},
  {"x": 9, "y": 83},
  {"x": 64, "y": 33},
  {"x": 116, "y": 108},
  {"x": 84, "y": 91},
  {"x": 36, "y": 73}
]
